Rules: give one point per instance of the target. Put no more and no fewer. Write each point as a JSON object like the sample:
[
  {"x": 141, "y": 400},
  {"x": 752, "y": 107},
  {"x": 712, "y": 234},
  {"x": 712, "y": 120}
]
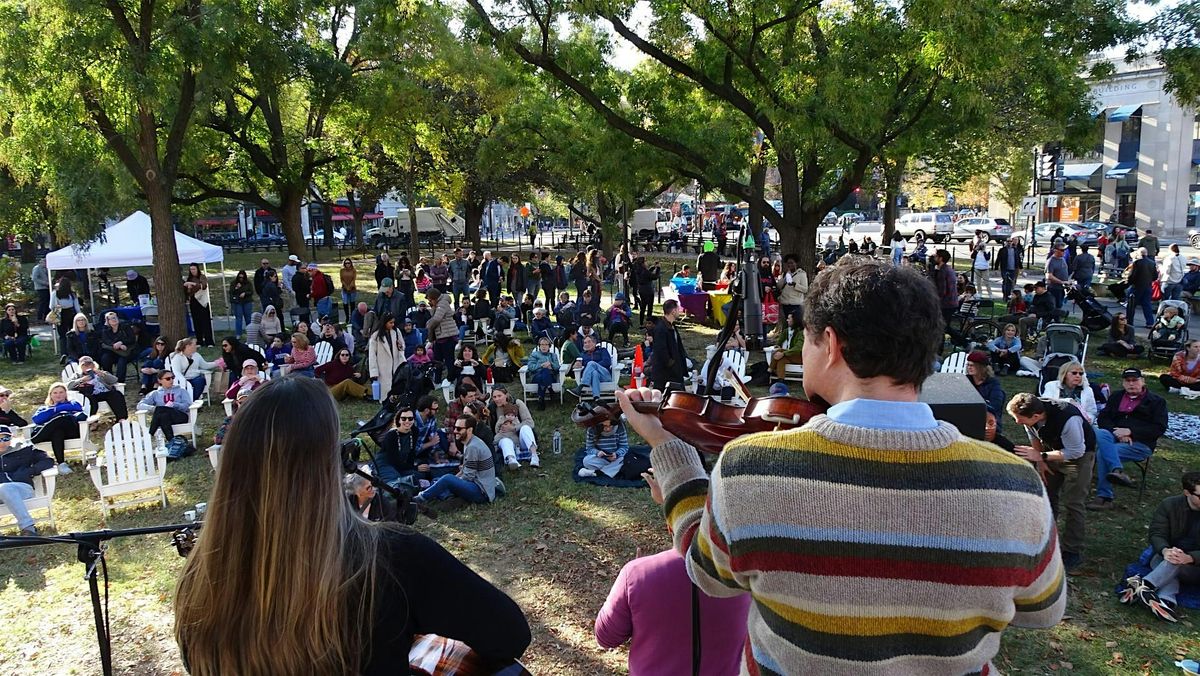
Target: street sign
[{"x": 1029, "y": 206}]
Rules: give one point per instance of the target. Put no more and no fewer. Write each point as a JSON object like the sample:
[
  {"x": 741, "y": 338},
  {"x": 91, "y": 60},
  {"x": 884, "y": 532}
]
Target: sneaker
[
  {"x": 576, "y": 392},
  {"x": 535, "y": 461},
  {"x": 1173, "y": 390},
  {"x": 1072, "y": 561},
  {"x": 31, "y": 531},
  {"x": 1119, "y": 477},
  {"x": 1129, "y": 594},
  {"x": 512, "y": 463},
  {"x": 1163, "y": 610},
  {"x": 1100, "y": 504},
  {"x": 424, "y": 509},
  {"x": 584, "y": 472},
  {"x": 64, "y": 468}
]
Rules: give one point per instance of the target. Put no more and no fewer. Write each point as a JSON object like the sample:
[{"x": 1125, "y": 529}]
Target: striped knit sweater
[{"x": 867, "y": 551}]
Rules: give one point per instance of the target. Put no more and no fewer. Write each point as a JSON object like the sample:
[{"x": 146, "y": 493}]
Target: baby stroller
[
  {"x": 1095, "y": 316},
  {"x": 410, "y": 383},
  {"x": 1064, "y": 343},
  {"x": 1166, "y": 342}
]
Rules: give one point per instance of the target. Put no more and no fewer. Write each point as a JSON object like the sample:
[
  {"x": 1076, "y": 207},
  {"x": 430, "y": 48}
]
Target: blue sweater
[
  {"x": 46, "y": 413},
  {"x": 598, "y": 355},
  {"x": 596, "y": 443}
]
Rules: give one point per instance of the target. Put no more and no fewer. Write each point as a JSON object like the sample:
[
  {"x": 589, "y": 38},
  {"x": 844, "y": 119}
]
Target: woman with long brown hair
[
  {"x": 287, "y": 579},
  {"x": 196, "y": 287}
]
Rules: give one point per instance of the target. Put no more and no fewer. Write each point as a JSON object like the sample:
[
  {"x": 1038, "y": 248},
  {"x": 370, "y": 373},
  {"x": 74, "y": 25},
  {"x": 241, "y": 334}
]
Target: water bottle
[{"x": 556, "y": 445}]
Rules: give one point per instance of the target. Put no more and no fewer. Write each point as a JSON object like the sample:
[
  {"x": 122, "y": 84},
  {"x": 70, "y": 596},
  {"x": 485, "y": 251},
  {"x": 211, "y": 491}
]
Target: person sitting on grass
[
  {"x": 1042, "y": 310},
  {"x": 99, "y": 386},
  {"x": 466, "y": 368},
  {"x": 1129, "y": 427},
  {"x": 514, "y": 436},
  {"x": 341, "y": 374},
  {"x": 19, "y": 463},
  {"x": 399, "y": 459},
  {"x": 420, "y": 356},
  {"x": 367, "y": 501},
  {"x": 1122, "y": 343},
  {"x": 239, "y": 398},
  {"x": 1005, "y": 350},
  {"x": 412, "y": 337},
  {"x": 588, "y": 312},
  {"x": 476, "y": 479},
  {"x": 790, "y": 346},
  {"x": 1175, "y": 541},
  {"x": 543, "y": 369},
  {"x": 168, "y": 405},
  {"x": 1185, "y": 368},
  {"x": 1072, "y": 385},
  {"x": 57, "y": 421},
  {"x": 605, "y": 446},
  {"x": 465, "y": 394},
  {"x": 565, "y": 312}
]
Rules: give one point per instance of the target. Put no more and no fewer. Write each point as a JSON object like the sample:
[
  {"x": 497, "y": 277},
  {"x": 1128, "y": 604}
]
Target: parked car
[
  {"x": 997, "y": 229},
  {"x": 1194, "y": 237},
  {"x": 861, "y": 229},
  {"x": 932, "y": 225},
  {"x": 1087, "y": 232}
]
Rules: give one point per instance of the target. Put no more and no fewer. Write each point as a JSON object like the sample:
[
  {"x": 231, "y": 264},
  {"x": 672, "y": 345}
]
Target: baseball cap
[
  {"x": 1131, "y": 373},
  {"x": 294, "y": 258},
  {"x": 408, "y": 320},
  {"x": 86, "y": 360},
  {"x": 130, "y": 275},
  {"x": 312, "y": 266},
  {"x": 386, "y": 283},
  {"x": 249, "y": 362},
  {"x": 5, "y": 429},
  {"x": 1059, "y": 245}
]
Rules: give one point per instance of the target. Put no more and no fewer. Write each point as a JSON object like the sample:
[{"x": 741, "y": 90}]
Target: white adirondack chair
[
  {"x": 214, "y": 455},
  {"x": 324, "y": 352},
  {"x": 70, "y": 372},
  {"x": 43, "y": 495},
  {"x": 530, "y": 388},
  {"x": 955, "y": 363},
  {"x": 81, "y": 448},
  {"x": 482, "y": 331},
  {"x": 606, "y": 388},
  {"x": 793, "y": 373},
  {"x": 188, "y": 427},
  {"x": 130, "y": 464}
]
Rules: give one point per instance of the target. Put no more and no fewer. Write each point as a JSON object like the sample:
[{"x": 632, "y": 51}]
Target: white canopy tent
[{"x": 127, "y": 244}]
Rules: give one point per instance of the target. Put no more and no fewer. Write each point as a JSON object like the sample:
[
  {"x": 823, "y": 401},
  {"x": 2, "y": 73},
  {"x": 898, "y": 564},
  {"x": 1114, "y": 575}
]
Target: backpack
[{"x": 178, "y": 448}]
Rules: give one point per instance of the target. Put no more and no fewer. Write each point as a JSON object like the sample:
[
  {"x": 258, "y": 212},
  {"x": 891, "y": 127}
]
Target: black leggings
[
  {"x": 621, "y": 328},
  {"x": 1168, "y": 381},
  {"x": 164, "y": 417},
  {"x": 57, "y": 431},
  {"x": 201, "y": 322},
  {"x": 1115, "y": 349},
  {"x": 647, "y": 309},
  {"x": 115, "y": 400}
]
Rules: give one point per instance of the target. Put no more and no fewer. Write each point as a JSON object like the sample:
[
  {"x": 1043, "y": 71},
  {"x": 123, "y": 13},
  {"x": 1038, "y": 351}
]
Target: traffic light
[{"x": 1048, "y": 161}]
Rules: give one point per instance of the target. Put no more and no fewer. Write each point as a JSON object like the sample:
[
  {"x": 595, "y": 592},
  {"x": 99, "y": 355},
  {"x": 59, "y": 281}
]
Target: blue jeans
[
  {"x": 198, "y": 384},
  {"x": 1172, "y": 291},
  {"x": 115, "y": 363},
  {"x": 349, "y": 300},
  {"x": 449, "y": 484},
  {"x": 241, "y": 315},
  {"x": 1059, "y": 294},
  {"x": 14, "y": 494},
  {"x": 593, "y": 375},
  {"x": 1109, "y": 455},
  {"x": 544, "y": 379}
]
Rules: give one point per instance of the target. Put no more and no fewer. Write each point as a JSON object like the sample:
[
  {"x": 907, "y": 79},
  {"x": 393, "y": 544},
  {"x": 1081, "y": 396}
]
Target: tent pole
[
  {"x": 225, "y": 290},
  {"x": 91, "y": 290}
]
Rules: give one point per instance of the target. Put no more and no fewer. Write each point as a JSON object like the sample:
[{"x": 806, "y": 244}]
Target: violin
[{"x": 706, "y": 423}]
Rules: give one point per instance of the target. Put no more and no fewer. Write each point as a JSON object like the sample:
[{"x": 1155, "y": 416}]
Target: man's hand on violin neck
[{"x": 649, "y": 427}]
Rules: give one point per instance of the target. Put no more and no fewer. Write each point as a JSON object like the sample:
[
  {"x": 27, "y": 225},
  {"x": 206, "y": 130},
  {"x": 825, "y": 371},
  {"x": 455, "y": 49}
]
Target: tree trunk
[
  {"x": 168, "y": 284},
  {"x": 610, "y": 226},
  {"x": 327, "y": 213},
  {"x": 758, "y": 184},
  {"x": 289, "y": 220},
  {"x": 413, "y": 230},
  {"x": 356, "y": 219},
  {"x": 28, "y": 251},
  {"x": 893, "y": 174},
  {"x": 797, "y": 231},
  {"x": 473, "y": 220}
]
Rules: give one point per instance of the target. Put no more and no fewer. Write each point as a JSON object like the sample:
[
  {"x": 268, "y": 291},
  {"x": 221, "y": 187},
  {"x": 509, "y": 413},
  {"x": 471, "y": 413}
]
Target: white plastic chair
[
  {"x": 530, "y": 388},
  {"x": 955, "y": 363},
  {"x": 188, "y": 427},
  {"x": 792, "y": 372},
  {"x": 214, "y": 455},
  {"x": 130, "y": 464},
  {"x": 81, "y": 449},
  {"x": 228, "y": 403},
  {"x": 324, "y": 352},
  {"x": 609, "y": 387},
  {"x": 43, "y": 495}
]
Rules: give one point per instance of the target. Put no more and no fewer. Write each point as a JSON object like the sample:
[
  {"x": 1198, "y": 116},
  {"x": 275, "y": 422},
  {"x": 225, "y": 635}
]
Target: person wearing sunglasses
[
  {"x": 9, "y": 415},
  {"x": 19, "y": 463},
  {"x": 342, "y": 375},
  {"x": 399, "y": 460},
  {"x": 1072, "y": 385},
  {"x": 1175, "y": 540},
  {"x": 168, "y": 405}
]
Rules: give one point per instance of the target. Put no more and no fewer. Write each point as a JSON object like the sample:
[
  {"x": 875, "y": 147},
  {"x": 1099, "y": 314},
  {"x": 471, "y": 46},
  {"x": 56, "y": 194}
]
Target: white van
[
  {"x": 934, "y": 225},
  {"x": 645, "y": 223}
]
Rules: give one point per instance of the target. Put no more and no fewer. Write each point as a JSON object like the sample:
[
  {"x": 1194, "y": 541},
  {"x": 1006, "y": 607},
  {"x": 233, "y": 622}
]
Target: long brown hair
[{"x": 282, "y": 578}]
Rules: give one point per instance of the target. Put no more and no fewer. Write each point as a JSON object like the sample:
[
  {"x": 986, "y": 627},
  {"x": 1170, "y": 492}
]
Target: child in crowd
[
  {"x": 420, "y": 356},
  {"x": 1166, "y": 330}
]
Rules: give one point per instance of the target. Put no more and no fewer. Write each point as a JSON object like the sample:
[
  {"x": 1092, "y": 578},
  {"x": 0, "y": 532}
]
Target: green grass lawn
[{"x": 552, "y": 544}]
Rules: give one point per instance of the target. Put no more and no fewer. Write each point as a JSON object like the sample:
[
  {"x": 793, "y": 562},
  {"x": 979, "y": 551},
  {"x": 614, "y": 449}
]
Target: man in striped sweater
[{"x": 874, "y": 539}]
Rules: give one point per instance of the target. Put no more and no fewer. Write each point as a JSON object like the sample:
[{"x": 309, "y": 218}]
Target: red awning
[
  {"x": 348, "y": 217},
  {"x": 209, "y": 222}
]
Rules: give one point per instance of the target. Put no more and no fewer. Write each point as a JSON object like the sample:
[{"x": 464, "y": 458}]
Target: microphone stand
[{"x": 91, "y": 546}]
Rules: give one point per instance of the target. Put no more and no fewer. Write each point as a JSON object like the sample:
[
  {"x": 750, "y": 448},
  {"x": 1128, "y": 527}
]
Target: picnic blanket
[
  {"x": 1184, "y": 427},
  {"x": 604, "y": 480},
  {"x": 1189, "y": 596}
]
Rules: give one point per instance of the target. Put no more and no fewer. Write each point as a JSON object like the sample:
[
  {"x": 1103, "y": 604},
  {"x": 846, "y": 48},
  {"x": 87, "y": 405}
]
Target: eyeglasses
[
  {"x": 1075, "y": 373},
  {"x": 460, "y": 428},
  {"x": 5, "y": 437},
  {"x": 167, "y": 378},
  {"x": 408, "y": 418},
  {"x": 3, "y": 395}
]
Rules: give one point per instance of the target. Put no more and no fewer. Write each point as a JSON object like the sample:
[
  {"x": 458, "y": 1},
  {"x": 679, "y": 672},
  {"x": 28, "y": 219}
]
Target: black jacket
[
  {"x": 12, "y": 418},
  {"x": 271, "y": 295},
  {"x": 1002, "y": 258},
  {"x": 123, "y": 334},
  {"x": 77, "y": 347},
  {"x": 669, "y": 361},
  {"x": 260, "y": 278},
  {"x": 397, "y": 456},
  {"x": 1169, "y": 525},
  {"x": 1043, "y": 305},
  {"x": 1144, "y": 273},
  {"x": 302, "y": 286},
  {"x": 138, "y": 286},
  {"x": 1146, "y": 422},
  {"x": 20, "y": 328},
  {"x": 22, "y": 463},
  {"x": 708, "y": 266}
]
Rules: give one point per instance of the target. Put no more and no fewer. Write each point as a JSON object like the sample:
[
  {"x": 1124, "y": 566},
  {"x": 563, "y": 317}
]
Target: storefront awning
[
  {"x": 1121, "y": 169},
  {"x": 1124, "y": 112},
  {"x": 348, "y": 217},
  {"x": 1081, "y": 172}
]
